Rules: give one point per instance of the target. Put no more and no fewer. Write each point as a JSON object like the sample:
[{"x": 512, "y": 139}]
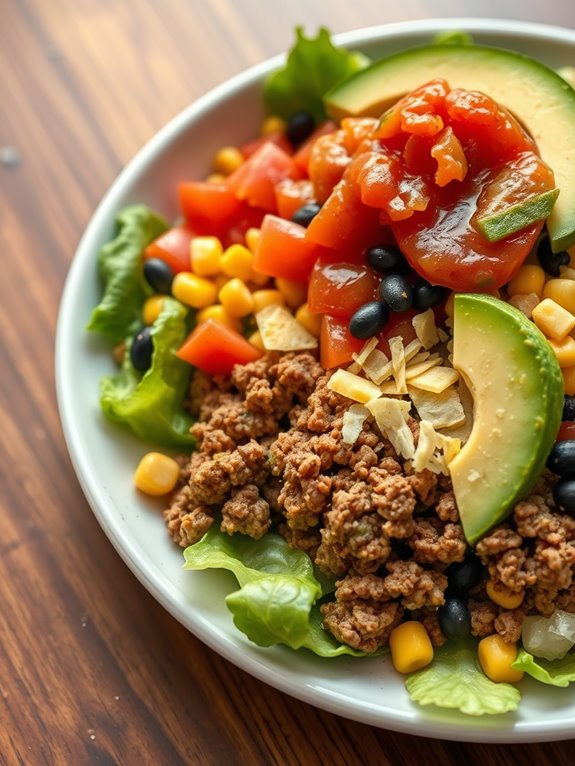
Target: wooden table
[{"x": 92, "y": 669}]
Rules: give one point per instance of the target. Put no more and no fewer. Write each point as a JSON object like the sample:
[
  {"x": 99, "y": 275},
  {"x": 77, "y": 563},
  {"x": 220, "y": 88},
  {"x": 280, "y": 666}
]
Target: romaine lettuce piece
[
  {"x": 275, "y": 603},
  {"x": 314, "y": 65},
  {"x": 151, "y": 404},
  {"x": 554, "y": 672},
  {"x": 120, "y": 268},
  {"x": 455, "y": 680}
]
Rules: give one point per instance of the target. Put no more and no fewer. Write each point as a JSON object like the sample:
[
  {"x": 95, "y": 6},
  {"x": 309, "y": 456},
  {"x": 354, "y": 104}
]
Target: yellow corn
[
  {"x": 273, "y": 124},
  {"x": 564, "y": 350},
  {"x": 449, "y": 305},
  {"x": 410, "y": 647},
  {"x": 152, "y": 308},
  {"x": 156, "y": 474},
  {"x": 529, "y": 279},
  {"x": 311, "y": 322},
  {"x": 194, "y": 291},
  {"x": 552, "y": 319},
  {"x": 252, "y": 238},
  {"x": 495, "y": 657},
  {"x": 569, "y": 380},
  {"x": 294, "y": 293},
  {"x": 237, "y": 261},
  {"x": 562, "y": 291},
  {"x": 256, "y": 340},
  {"x": 219, "y": 313},
  {"x": 236, "y": 298},
  {"x": 504, "y": 597},
  {"x": 205, "y": 254},
  {"x": 227, "y": 159},
  {"x": 263, "y": 298}
]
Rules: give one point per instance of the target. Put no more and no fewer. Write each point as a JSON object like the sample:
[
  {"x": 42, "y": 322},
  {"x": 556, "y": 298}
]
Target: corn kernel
[
  {"x": 502, "y": 596},
  {"x": 294, "y": 293},
  {"x": 564, "y": 350},
  {"x": 449, "y": 305},
  {"x": 562, "y": 291},
  {"x": 256, "y": 340},
  {"x": 569, "y": 380},
  {"x": 273, "y": 124},
  {"x": 227, "y": 159},
  {"x": 311, "y": 322},
  {"x": 205, "y": 254},
  {"x": 152, "y": 308},
  {"x": 552, "y": 319},
  {"x": 252, "y": 238},
  {"x": 237, "y": 261},
  {"x": 529, "y": 279},
  {"x": 194, "y": 291},
  {"x": 263, "y": 298},
  {"x": 219, "y": 313},
  {"x": 495, "y": 657},
  {"x": 410, "y": 647},
  {"x": 156, "y": 474},
  {"x": 236, "y": 298}
]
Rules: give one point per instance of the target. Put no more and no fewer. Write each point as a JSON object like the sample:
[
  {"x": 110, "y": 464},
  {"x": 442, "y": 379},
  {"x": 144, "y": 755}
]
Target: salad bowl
[{"x": 104, "y": 456}]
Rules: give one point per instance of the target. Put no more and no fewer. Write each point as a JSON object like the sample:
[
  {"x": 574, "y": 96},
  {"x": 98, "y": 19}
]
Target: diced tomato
[
  {"x": 215, "y": 348},
  {"x": 255, "y": 180},
  {"x": 173, "y": 247},
  {"x": 340, "y": 288},
  {"x": 336, "y": 343},
  {"x": 356, "y": 130},
  {"x": 283, "y": 250},
  {"x": 278, "y": 138},
  {"x": 328, "y": 161},
  {"x": 234, "y": 229},
  {"x": 566, "y": 430},
  {"x": 303, "y": 154},
  {"x": 207, "y": 206},
  {"x": 291, "y": 195},
  {"x": 399, "y": 325}
]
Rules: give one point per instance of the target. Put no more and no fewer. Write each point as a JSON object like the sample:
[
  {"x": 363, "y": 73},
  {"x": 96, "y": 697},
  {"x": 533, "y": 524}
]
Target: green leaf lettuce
[
  {"x": 276, "y": 600},
  {"x": 554, "y": 672}
]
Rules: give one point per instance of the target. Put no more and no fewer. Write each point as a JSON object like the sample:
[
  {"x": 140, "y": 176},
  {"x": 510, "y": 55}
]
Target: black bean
[
  {"x": 141, "y": 349},
  {"x": 300, "y": 126},
  {"x": 426, "y": 295},
  {"x": 159, "y": 275},
  {"x": 306, "y": 213},
  {"x": 569, "y": 408},
  {"x": 464, "y": 575},
  {"x": 561, "y": 459},
  {"x": 386, "y": 259},
  {"x": 369, "y": 320},
  {"x": 454, "y": 618},
  {"x": 564, "y": 495},
  {"x": 550, "y": 261},
  {"x": 396, "y": 291}
]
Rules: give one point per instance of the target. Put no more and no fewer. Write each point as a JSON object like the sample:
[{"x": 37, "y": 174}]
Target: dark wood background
[{"x": 92, "y": 669}]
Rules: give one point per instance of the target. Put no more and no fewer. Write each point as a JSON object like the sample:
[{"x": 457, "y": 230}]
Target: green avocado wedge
[
  {"x": 542, "y": 100},
  {"x": 517, "y": 390},
  {"x": 513, "y": 218}
]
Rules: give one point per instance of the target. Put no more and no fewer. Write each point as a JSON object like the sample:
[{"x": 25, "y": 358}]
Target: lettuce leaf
[
  {"x": 554, "y": 672},
  {"x": 455, "y": 680},
  {"x": 151, "y": 404},
  {"x": 313, "y": 66},
  {"x": 120, "y": 268},
  {"x": 275, "y": 603}
]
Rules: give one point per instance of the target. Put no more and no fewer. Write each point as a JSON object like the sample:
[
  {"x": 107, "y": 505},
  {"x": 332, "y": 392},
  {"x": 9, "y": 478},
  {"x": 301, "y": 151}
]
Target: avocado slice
[
  {"x": 542, "y": 100},
  {"x": 517, "y": 390},
  {"x": 496, "y": 226}
]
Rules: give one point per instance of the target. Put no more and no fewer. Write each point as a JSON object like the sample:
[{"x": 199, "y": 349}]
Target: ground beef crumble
[{"x": 270, "y": 452}]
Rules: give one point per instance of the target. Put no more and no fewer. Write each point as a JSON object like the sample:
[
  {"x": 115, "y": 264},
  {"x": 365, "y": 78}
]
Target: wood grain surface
[{"x": 92, "y": 669}]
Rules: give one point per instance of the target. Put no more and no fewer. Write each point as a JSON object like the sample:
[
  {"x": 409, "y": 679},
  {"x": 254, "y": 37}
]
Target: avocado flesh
[
  {"x": 517, "y": 390},
  {"x": 513, "y": 218},
  {"x": 542, "y": 100}
]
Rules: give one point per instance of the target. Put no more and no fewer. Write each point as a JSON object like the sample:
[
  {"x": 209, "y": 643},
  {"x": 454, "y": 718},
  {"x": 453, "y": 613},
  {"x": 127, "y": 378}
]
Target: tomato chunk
[
  {"x": 340, "y": 288},
  {"x": 291, "y": 195},
  {"x": 215, "y": 348},
  {"x": 283, "y": 250},
  {"x": 172, "y": 247},
  {"x": 566, "y": 431},
  {"x": 206, "y": 206},
  {"x": 336, "y": 343}
]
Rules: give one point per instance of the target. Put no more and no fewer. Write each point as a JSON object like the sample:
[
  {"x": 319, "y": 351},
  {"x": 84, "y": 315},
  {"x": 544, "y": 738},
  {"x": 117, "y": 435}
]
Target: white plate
[{"x": 104, "y": 456}]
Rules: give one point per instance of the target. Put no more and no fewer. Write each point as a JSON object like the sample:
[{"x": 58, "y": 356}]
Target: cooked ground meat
[{"x": 270, "y": 452}]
